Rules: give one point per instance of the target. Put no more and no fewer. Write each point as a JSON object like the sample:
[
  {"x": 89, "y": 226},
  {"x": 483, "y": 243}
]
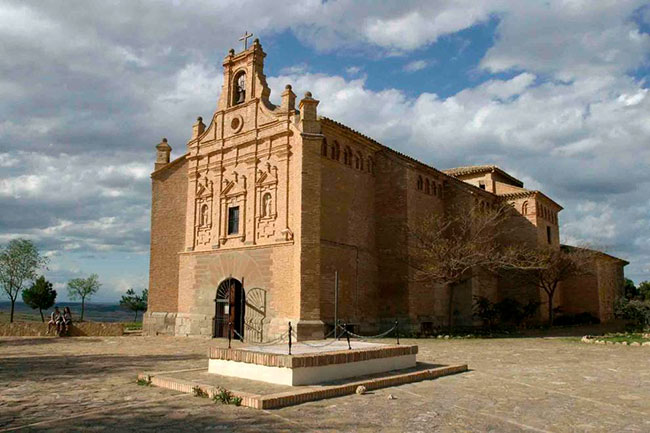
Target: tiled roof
[
  {"x": 527, "y": 193},
  {"x": 476, "y": 169}
]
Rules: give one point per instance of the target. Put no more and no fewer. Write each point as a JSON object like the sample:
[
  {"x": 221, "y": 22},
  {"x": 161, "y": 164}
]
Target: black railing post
[
  {"x": 397, "y": 330},
  {"x": 290, "y": 330},
  {"x": 347, "y": 335},
  {"x": 229, "y": 333}
]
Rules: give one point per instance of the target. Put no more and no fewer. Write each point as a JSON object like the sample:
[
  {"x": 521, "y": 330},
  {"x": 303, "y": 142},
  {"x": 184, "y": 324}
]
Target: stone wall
[{"x": 81, "y": 329}]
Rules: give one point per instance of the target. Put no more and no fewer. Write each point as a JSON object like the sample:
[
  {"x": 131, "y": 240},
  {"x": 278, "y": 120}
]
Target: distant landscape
[{"x": 99, "y": 312}]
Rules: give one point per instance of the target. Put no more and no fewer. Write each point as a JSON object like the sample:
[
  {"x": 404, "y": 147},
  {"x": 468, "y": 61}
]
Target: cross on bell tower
[{"x": 245, "y": 38}]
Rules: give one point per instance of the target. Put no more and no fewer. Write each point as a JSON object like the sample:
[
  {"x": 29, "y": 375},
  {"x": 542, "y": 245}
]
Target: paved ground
[{"x": 527, "y": 384}]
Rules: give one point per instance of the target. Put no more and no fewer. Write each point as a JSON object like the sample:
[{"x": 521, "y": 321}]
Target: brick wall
[{"x": 169, "y": 192}]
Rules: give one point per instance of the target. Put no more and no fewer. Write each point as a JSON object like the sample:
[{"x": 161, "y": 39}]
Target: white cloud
[{"x": 415, "y": 65}]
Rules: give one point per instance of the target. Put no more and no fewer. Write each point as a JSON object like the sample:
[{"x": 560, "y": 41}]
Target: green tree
[
  {"x": 644, "y": 290},
  {"x": 629, "y": 289},
  {"x": 132, "y": 301},
  {"x": 40, "y": 295},
  {"x": 82, "y": 288},
  {"x": 19, "y": 261}
]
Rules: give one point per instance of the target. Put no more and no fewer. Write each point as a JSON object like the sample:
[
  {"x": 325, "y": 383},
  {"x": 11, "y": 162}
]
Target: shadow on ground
[{"x": 17, "y": 368}]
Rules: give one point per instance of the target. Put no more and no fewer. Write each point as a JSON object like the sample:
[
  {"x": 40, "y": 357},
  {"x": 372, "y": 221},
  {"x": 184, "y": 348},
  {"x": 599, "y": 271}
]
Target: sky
[{"x": 554, "y": 92}]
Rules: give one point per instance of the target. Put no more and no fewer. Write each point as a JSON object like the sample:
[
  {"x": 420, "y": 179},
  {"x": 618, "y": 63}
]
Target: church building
[{"x": 272, "y": 208}]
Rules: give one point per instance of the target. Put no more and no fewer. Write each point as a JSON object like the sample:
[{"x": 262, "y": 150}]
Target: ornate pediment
[
  {"x": 203, "y": 187},
  {"x": 233, "y": 184},
  {"x": 267, "y": 175}
]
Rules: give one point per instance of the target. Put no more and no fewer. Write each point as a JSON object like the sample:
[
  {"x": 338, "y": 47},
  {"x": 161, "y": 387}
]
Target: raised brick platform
[
  {"x": 276, "y": 396},
  {"x": 308, "y": 365}
]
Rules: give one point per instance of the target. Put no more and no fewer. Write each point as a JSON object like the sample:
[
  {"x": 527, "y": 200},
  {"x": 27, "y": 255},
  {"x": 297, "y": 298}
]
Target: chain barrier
[
  {"x": 366, "y": 337},
  {"x": 334, "y": 340},
  {"x": 280, "y": 339}
]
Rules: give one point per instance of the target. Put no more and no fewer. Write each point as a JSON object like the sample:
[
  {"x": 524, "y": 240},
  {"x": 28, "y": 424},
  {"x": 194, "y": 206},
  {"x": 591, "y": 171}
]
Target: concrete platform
[
  {"x": 310, "y": 363},
  {"x": 262, "y": 395}
]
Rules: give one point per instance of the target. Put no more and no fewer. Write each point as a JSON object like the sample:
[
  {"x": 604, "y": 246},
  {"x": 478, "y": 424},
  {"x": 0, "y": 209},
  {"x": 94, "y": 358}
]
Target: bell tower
[{"x": 243, "y": 76}]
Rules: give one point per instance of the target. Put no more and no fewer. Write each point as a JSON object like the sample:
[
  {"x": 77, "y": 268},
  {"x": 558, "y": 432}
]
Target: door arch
[{"x": 230, "y": 306}]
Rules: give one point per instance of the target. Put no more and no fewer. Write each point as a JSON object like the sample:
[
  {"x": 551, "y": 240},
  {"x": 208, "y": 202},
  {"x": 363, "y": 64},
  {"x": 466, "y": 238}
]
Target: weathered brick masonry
[{"x": 269, "y": 201}]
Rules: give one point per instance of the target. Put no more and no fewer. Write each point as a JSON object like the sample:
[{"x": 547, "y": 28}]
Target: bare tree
[
  {"x": 82, "y": 288},
  {"x": 546, "y": 268},
  {"x": 19, "y": 261},
  {"x": 445, "y": 250}
]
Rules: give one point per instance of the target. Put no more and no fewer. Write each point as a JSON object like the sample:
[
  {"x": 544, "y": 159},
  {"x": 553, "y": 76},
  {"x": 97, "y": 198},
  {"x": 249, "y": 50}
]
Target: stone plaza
[{"x": 520, "y": 384}]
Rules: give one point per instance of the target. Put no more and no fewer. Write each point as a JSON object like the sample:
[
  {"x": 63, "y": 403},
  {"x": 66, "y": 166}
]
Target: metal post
[
  {"x": 347, "y": 335},
  {"x": 229, "y": 332},
  {"x": 241, "y": 310},
  {"x": 397, "y": 330},
  {"x": 290, "y": 338},
  {"x": 336, "y": 303}
]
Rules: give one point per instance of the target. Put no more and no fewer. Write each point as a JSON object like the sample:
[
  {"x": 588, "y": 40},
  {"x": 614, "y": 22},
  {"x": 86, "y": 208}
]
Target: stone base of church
[
  {"x": 310, "y": 330},
  {"x": 159, "y": 323}
]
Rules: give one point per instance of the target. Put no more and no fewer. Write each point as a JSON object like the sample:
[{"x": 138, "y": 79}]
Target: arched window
[
  {"x": 335, "y": 151},
  {"x": 323, "y": 147},
  {"x": 524, "y": 208},
  {"x": 358, "y": 161},
  {"x": 427, "y": 186},
  {"x": 204, "y": 215},
  {"x": 420, "y": 183},
  {"x": 239, "y": 87},
  {"x": 371, "y": 166},
  {"x": 435, "y": 188},
  {"x": 347, "y": 156},
  {"x": 440, "y": 190}
]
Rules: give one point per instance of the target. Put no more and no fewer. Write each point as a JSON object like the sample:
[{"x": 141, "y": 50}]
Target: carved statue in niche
[
  {"x": 266, "y": 205},
  {"x": 204, "y": 215}
]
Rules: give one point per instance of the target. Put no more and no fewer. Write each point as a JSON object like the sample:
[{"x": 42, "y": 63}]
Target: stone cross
[{"x": 244, "y": 38}]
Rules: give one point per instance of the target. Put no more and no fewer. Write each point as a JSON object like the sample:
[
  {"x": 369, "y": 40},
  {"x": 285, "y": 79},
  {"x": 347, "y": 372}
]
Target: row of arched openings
[
  {"x": 547, "y": 214},
  {"x": 429, "y": 186},
  {"x": 350, "y": 158}
]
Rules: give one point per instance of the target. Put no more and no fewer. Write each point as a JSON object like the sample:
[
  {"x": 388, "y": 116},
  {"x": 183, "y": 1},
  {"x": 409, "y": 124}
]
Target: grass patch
[
  {"x": 621, "y": 338},
  {"x": 132, "y": 326},
  {"x": 144, "y": 382}
]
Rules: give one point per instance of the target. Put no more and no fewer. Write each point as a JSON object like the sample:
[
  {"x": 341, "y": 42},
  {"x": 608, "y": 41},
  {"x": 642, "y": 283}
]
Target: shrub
[
  {"x": 198, "y": 392},
  {"x": 144, "y": 381},
  {"x": 224, "y": 396},
  {"x": 638, "y": 312},
  {"x": 506, "y": 312},
  {"x": 576, "y": 319}
]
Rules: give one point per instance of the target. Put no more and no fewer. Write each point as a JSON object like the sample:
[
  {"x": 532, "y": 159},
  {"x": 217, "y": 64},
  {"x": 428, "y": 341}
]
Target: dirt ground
[{"x": 519, "y": 384}]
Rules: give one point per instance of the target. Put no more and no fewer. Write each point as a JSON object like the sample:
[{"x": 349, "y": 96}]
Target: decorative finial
[
  {"x": 199, "y": 119},
  {"x": 164, "y": 140},
  {"x": 231, "y": 52},
  {"x": 307, "y": 94},
  {"x": 256, "y": 41},
  {"x": 288, "y": 87},
  {"x": 244, "y": 38}
]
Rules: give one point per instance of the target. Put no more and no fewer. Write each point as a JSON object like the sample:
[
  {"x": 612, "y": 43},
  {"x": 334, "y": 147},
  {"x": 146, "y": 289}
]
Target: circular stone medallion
[{"x": 237, "y": 123}]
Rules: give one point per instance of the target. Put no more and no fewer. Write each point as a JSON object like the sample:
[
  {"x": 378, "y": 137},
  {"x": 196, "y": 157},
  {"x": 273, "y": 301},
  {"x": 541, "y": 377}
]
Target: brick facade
[{"x": 280, "y": 199}]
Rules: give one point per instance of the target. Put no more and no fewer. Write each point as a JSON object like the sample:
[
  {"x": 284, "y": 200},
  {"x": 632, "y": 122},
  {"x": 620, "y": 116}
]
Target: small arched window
[
  {"x": 239, "y": 87},
  {"x": 204, "y": 215},
  {"x": 427, "y": 186},
  {"x": 420, "y": 183},
  {"x": 435, "y": 188},
  {"x": 335, "y": 151},
  {"x": 323, "y": 147},
  {"x": 347, "y": 156},
  {"x": 524, "y": 208},
  {"x": 358, "y": 161},
  {"x": 371, "y": 166}
]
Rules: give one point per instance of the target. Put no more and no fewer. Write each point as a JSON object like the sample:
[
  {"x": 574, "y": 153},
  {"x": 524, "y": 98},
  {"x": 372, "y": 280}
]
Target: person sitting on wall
[
  {"x": 67, "y": 319},
  {"x": 55, "y": 320}
]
